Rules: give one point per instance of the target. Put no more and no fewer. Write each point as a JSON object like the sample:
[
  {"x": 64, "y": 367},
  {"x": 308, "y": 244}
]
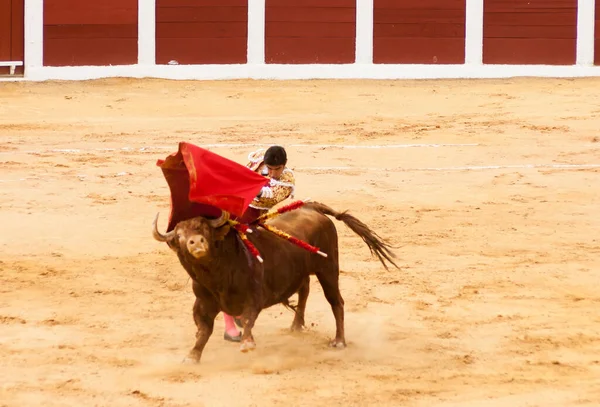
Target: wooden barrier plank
[
  {"x": 429, "y": 30},
  {"x": 90, "y": 12},
  {"x": 202, "y": 30},
  {"x": 311, "y": 3},
  {"x": 83, "y": 31},
  {"x": 533, "y": 18},
  {"x": 516, "y": 5},
  {"x": 201, "y": 3},
  {"x": 90, "y": 51},
  {"x": 412, "y": 16},
  {"x": 310, "y": 50},
  {"x": 201, "y": 14},
  {"x": 311, "y": 14},
  {"x": 529, "y": 51},
  {"x": 419, "y": 50},
  {"x": 421, "y": 4},
  {"x": 519, "y": 10},
  {"x": 201, "y": 50},
  {"x": 310, "y": 30},
  {"x": 533, "y": 31}
]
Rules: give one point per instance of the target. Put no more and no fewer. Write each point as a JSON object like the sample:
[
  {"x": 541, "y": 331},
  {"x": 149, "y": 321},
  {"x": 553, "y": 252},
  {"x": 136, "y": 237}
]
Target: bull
[{"x": 225, "y": 277}]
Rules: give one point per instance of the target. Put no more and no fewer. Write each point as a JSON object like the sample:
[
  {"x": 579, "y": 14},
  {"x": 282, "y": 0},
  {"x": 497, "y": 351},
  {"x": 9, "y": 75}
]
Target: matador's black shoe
[{"x": 230, "y": 338}]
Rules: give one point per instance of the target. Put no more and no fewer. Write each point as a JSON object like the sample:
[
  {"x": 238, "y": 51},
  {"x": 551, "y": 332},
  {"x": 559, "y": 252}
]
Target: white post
[
  {"x": 147, "y": 32},
  {"x": 474, "y": 33},
  {"x": 364, "y": 31},
  {"x": 256, "y": 32},
  {"x": 34, "y": 34},
  {"x": 585, "y": 32}
]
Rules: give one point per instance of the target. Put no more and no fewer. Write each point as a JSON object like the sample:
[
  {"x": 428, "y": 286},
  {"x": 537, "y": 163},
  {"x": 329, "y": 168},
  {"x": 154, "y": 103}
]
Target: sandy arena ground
[{"x": 496, "y": 303}]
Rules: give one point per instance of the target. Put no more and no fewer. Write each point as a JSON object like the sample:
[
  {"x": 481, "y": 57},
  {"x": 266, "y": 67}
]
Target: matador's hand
[{"x": 266, "y": 192}]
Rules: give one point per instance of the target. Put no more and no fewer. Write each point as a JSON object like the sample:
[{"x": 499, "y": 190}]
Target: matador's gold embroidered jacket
[{"x": 282, "y": 188}]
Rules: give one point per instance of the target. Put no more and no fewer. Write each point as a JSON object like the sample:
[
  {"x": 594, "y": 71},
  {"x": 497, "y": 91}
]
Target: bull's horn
[
  {"x": 157, "y": 235},
  {"x": 220, "y": 221}
]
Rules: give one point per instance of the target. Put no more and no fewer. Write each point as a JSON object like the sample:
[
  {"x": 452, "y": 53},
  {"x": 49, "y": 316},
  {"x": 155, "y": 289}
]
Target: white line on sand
[
  {"x": 82, "y": 177},
  {"x": 232, "y": 145},
  {"x": 447, "y": 169}
]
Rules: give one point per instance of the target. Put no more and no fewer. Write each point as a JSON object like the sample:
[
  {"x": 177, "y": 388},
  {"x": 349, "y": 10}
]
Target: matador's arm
[{"x": 279, "y": 190}]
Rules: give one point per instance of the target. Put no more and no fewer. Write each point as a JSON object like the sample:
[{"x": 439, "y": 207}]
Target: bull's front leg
[
  {"x": 205, "y": 311},
  {"x": 252, "y": 307}
]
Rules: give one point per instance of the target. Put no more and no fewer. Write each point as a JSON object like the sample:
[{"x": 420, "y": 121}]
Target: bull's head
[{"x": 197, "y": 236}]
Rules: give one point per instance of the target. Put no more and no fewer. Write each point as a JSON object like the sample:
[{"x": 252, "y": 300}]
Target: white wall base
[{"x": 291, "y": 72}]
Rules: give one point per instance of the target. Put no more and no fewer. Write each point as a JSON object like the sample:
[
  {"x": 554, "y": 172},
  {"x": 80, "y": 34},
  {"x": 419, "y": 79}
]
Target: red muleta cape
[{"x": 203, "y": 183}]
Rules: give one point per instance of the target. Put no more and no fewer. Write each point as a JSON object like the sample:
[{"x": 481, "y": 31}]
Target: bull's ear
[{"x": 221, "y": 232}]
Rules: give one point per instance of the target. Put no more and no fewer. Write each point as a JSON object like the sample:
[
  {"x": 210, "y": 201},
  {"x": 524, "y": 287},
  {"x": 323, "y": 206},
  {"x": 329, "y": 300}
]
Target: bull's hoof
[
  {"x": 297, "y": 328},
  {"x": 190, "y": 360},
  {"x": 337, "y": 344},
  {"x": 247, "y": 346}
]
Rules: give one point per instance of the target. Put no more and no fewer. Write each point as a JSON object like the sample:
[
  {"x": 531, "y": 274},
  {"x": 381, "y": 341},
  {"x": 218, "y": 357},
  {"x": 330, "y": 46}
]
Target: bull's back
[
  {"x": 306, "y": 224},
  {"x": 286, "y": 265}
]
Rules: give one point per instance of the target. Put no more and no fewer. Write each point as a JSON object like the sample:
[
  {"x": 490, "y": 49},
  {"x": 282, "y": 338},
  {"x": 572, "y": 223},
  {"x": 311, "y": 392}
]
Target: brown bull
[{"x": 227, "y": 278}]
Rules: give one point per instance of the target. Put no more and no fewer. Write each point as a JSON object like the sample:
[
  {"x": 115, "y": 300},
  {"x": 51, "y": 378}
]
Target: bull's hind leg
[
  {"x": 298, "y": 323},
  {"x": 250, "y": 316},
  {"x": 205, "y": 311},
  {"x": 329, "y": 280}
]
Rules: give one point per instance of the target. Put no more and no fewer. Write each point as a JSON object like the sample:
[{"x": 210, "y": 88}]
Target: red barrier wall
[
  {"x": 530, "y": 32},
  {"x": 310, "y": 31},
  {"x": 201, "y": 31},
  {"x": 597, "y": 36},
  {"x": 82, "y": 32},
  {"x": 419, "y": 32},
  {"x": 12, "y": 42}
]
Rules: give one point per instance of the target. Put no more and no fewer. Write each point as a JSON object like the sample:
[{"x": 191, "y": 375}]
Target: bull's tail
[
  {"x": 376, "y": 244},
  {"x": 286, "y": 303}
]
